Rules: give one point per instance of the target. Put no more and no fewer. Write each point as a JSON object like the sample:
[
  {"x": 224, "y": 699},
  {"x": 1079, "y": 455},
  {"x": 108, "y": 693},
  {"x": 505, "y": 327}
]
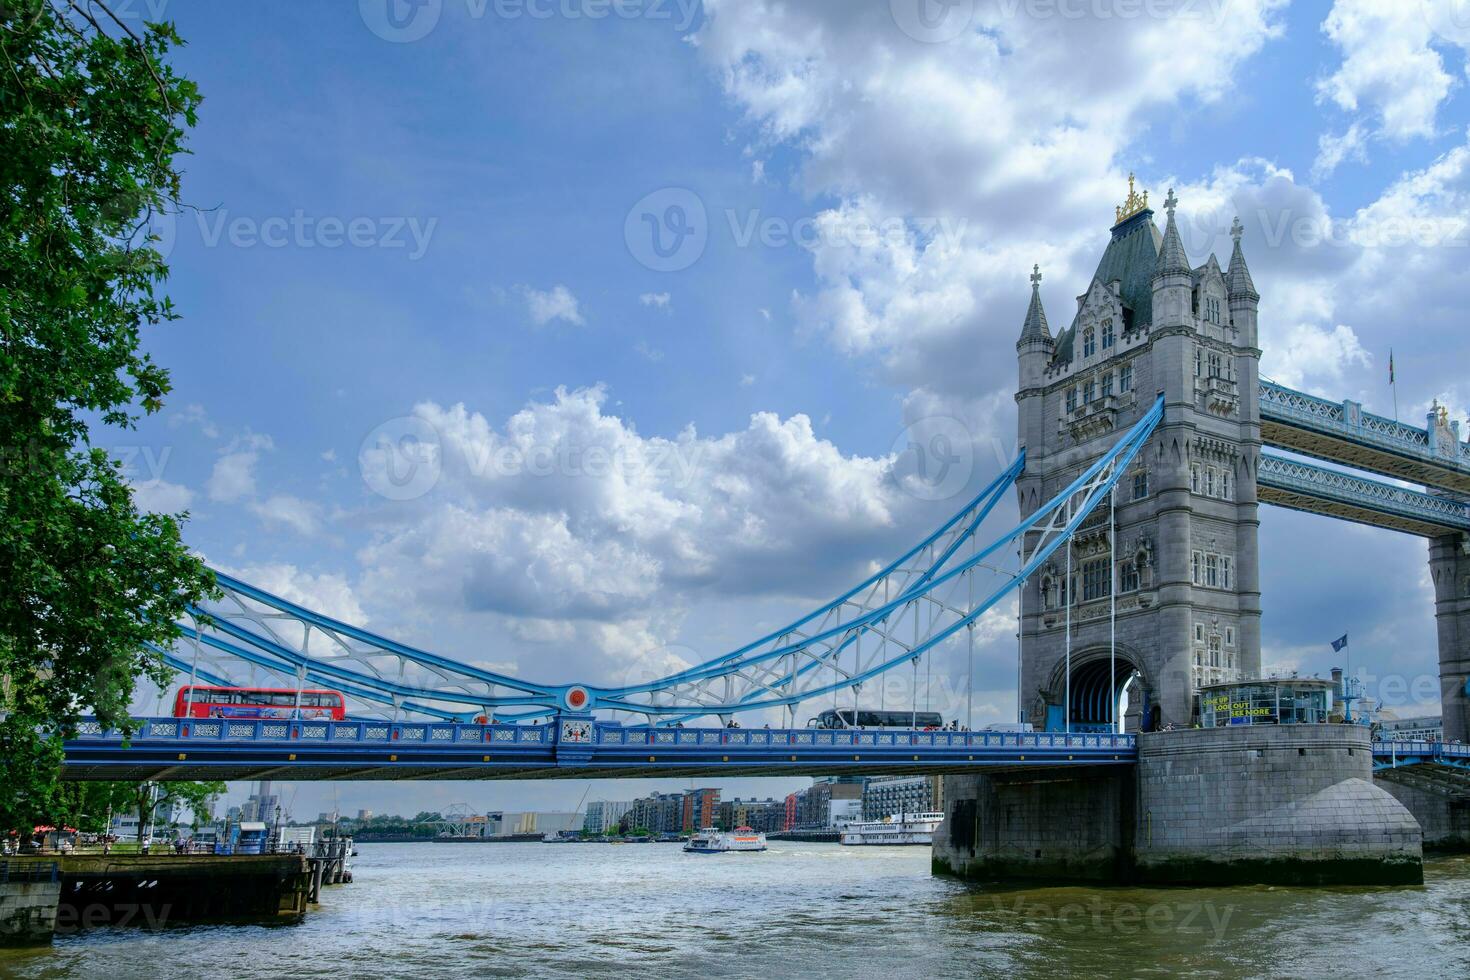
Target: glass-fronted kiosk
[{"x": 1270, "y": 701}]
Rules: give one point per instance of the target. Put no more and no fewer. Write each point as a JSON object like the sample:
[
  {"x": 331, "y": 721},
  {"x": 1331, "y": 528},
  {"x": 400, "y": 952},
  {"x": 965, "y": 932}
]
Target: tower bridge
[{"x": 1148, "y": 441}]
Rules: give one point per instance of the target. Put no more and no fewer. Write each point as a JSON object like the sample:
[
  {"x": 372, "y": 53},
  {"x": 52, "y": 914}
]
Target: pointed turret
[
  {"x": 1035, "y": 327},
  {"x": 1238, "y": 278},
  {"x": 1173, "y": 279},
  {"x": 1171, "y": 253},
  {"x": 1035, "y": 348},
  {"x": 1243, "y": 299}
]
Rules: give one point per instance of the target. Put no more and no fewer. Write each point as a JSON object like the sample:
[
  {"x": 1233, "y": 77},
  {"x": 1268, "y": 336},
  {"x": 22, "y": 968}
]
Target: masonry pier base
[
  {"x": 1263, "y": 804},
  {"x": 1444, "y": 816}
]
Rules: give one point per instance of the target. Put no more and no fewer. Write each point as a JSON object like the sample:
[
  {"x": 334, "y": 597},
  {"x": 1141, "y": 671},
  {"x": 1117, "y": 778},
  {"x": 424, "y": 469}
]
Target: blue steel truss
[
  {"x": 1302, "y": 486},
  {"x": 904, "y": 612},
  {"x": 1341, "y": 432}
]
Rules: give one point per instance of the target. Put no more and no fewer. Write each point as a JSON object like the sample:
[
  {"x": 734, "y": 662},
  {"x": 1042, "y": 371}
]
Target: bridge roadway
[
  {"x": 1341, "y": 432},
  {"x": 173, "y": 748},
  {"x": 1345, "y": 496}
]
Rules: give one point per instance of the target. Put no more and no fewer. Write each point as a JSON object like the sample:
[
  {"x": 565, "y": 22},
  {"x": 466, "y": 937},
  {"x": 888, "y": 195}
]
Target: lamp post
[{"x": 278, "y": 827}]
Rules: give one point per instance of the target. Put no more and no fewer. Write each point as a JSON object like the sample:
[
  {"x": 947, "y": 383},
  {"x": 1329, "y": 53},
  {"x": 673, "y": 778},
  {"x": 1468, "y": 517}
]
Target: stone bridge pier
[
  {"x": 1283, "y": 804},
  {"x": 1449, "y": 566}
]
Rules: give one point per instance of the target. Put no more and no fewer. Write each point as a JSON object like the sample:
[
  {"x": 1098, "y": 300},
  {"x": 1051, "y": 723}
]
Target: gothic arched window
[{"x": 1089, "y": 342}]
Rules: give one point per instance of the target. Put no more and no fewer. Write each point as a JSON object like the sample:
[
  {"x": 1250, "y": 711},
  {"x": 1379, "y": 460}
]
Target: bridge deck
[
  {"x": 1317, "y": 490},
  {"x": 1341, "y": 432},
  {"x": 174, "y": 748}
]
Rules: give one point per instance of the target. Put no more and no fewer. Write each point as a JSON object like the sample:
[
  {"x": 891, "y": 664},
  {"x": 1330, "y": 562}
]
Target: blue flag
[{"x": 1338, "y": 645}]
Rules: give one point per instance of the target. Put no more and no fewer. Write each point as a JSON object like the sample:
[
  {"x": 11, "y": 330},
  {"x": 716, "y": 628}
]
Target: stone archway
[{"x": 1100, "y": 683}]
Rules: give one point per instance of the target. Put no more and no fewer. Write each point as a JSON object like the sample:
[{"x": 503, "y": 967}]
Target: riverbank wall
[{"x": 88, "y": 891}]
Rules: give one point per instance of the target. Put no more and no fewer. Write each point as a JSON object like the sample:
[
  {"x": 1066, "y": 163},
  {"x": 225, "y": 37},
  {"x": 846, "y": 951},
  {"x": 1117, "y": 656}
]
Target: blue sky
[{"x": 446, "y": 228}]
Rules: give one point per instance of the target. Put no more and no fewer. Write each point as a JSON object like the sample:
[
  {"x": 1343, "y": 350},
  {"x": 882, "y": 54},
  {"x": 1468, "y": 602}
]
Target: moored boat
[{"x": 901, "y": 829}]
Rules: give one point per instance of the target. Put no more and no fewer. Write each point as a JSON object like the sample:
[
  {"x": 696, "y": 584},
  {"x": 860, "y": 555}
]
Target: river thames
[{"x": 536, "y": 910}]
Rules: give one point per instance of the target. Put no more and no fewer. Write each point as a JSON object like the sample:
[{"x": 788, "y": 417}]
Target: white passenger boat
[
  {"x": 712, "y": 841},
  {"x": 904, "y": 828}
]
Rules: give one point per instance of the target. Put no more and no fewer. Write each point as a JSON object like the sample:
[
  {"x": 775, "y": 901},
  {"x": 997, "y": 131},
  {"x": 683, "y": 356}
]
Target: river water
[{"x": 798, "y": 910}]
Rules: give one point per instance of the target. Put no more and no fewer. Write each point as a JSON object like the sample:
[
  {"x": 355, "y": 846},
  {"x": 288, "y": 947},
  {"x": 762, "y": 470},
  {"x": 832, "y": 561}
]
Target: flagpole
[{"x": 1394, "y": 385}]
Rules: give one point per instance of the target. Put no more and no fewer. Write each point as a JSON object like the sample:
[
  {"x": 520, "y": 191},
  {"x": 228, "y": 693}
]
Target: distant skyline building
[
  {"x": 261, "y": 805},
  {"x": 887, "y": 796},
  {"x": 819, "y": 807},
  {"x": 603, "y": 815},
  {"x": 1422, "y": 728},
  {"x": 766, "y": 816},
  {"x": 699, "y": 809}
]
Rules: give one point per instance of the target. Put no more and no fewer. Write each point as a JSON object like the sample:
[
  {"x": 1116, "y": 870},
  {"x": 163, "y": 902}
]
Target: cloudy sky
[{"x": 673, "y": 286}]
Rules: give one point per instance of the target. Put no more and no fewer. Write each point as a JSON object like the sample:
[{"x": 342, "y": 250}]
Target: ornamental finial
[
  {"x": 1036, "y": 277},
  {"x": 1135, "y": 203},
  {"x": 1237, "y": 229}
]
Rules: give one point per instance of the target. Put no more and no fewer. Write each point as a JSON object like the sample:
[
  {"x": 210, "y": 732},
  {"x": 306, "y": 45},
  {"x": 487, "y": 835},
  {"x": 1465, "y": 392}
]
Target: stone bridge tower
[{"x": 1184, "y": 554}]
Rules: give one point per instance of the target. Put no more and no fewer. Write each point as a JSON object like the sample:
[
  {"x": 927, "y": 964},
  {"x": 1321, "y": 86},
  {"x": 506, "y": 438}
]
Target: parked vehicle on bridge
[
  {"x": 197, "y": 701},
  {"x": 843, "y": 718}
]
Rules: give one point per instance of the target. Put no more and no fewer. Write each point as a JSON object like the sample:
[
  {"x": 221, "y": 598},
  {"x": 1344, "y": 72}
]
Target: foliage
[
  {"x": 197, "y": 797},
  {"x": 93, "y": 119}
]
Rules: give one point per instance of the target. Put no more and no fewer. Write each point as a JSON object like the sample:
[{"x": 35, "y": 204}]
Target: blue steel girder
[
  {"x": 286, "y": 644},
  {"x": 1341, "y": 432},
  {"x": 920, "y": 601},
  {"x": 181, "y": 748},
  {"x": 1317, "y": 490}
]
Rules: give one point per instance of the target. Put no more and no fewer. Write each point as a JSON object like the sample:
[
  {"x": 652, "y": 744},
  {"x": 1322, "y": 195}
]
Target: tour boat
[
  {"x": 904, "y": 828},
  {"x": 712, "y": 841}
]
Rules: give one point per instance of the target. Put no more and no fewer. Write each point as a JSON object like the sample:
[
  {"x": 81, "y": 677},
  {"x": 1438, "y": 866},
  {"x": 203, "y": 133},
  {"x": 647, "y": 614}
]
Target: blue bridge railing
[
  {"x": 1393, "y": 754},
  {"x": 1364, "y": 496},
  {"x": 190, "y": 748},
  {"x": 1347, "y": 420},
  {"x": 197, "y": 730}
]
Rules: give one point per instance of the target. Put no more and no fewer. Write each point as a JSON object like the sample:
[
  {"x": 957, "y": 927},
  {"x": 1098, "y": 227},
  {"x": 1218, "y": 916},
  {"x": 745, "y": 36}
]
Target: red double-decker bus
[{"x": 258, "y": 702}]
